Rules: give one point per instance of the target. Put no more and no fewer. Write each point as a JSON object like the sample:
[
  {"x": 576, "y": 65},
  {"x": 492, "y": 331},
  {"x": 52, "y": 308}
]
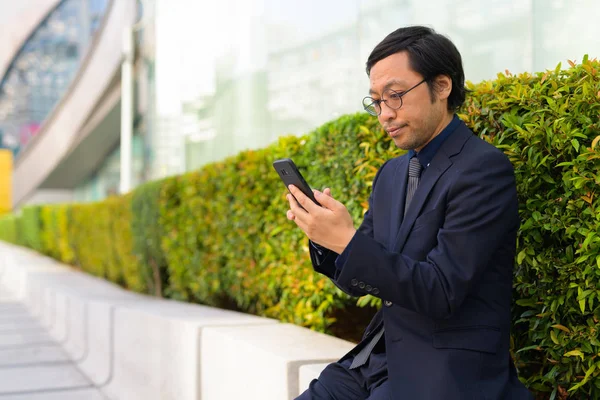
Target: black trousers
[{"x": 339, "y": 382}]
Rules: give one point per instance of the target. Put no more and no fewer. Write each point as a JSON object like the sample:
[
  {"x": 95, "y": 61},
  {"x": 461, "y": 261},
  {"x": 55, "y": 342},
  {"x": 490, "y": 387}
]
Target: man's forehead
[
  {"x": 382, "y": 85},
  {"x": 393, "y": 67}
]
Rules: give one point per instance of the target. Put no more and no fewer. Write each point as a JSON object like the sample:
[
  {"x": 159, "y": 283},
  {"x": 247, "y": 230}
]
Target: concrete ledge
[
  {"x": 261, "y": 362},
  {"x": 134, "y": 346},
  {"x": 76, "y": 326},
  {"x": 156, "y": 347},
  {"x": 58, "y": 329}
]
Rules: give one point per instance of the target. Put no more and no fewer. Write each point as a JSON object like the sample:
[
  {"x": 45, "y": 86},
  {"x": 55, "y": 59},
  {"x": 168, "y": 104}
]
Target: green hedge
[
  {"x": 8, "y": 229},
  {"x": 147, "y": 236},
  {"x": 101, "y": 241},
  {"x": 55, "y": 235},
  {"x": 29, "y": 226},
  {"x": 219, "y": 235}
]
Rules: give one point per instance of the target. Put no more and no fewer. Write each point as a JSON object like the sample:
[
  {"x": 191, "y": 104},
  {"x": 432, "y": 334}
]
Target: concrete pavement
[{"x": 33, "y": 365}]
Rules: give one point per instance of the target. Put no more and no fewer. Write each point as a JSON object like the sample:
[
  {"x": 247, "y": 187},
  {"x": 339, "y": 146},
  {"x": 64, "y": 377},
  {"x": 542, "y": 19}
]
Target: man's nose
[{"x": 387, "y": 113}]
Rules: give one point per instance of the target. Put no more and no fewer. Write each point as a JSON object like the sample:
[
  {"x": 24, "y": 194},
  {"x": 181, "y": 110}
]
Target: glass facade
[
  {"x": 43, "y": 69},
  {"x": 236, "y": 74}
]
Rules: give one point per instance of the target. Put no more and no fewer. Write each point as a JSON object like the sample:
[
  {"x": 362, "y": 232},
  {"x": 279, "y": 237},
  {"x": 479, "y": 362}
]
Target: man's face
[{"x": 421, "y": 117}]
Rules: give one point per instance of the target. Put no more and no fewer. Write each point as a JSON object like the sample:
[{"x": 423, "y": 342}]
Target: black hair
[{"x": 430, "y": 54}]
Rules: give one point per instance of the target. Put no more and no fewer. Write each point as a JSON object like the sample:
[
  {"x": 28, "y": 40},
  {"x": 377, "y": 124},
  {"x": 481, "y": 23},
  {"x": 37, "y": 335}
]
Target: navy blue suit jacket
[{"x": 444, "y": 272}]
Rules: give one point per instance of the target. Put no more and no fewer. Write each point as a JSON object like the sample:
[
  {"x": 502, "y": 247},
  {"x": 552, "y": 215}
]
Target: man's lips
[{"x": 394, "y": 131}]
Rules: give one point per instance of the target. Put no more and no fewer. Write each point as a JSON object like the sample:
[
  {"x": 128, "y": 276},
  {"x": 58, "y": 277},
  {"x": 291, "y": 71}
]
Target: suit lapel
[
  {"x": 398, "y": 196},
  {"x": 440, "y": 163}
]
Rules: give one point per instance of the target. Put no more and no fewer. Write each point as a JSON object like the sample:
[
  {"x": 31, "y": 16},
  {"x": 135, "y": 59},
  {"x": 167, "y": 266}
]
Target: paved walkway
[{"x": 33, "y": 366}]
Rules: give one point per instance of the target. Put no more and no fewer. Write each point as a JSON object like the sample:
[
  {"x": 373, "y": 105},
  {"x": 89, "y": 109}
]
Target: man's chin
[
  {"x": 402, "y": 145},
  {"x": 406, "y": 145}
]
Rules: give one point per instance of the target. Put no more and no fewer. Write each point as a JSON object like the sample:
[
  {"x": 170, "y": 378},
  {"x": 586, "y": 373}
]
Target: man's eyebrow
[{"x": 388, "y": 85}]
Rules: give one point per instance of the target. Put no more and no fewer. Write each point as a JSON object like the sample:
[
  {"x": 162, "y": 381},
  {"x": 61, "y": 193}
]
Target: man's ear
[{"x": 443, "y": 87}]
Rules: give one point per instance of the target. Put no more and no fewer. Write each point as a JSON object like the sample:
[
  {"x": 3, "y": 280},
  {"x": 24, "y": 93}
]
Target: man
[{"x": 437, "y": 244}]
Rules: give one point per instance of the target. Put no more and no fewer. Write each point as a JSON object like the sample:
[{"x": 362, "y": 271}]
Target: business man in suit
[{"x": 437, "y": 244}]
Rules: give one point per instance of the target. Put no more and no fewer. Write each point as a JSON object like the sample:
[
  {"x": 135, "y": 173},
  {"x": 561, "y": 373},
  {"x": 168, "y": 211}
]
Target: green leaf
[
  {"x": 561, "y": 327},
  {"x": 574, "y": 353},
  {"x": 583, "y": 294},
  {"x": 564, "y": 164},
  {"x": 548, "y": 178},
  {"x": 277, "y": 230},
  {"x": 554, "y": 337},
  {"x": 587, "y": 347},
  {"x": 588, "y": 373},
  {"x": 575, "y": 144},
  {"x": 558, "y": 68},
  {"x": 570, "y": 255},
  {"x": 533, "y": 347},
  {"x": 526, "y": 302},
  {"x": 521, "y": 256},
  {"x": 582, "y": 305}
]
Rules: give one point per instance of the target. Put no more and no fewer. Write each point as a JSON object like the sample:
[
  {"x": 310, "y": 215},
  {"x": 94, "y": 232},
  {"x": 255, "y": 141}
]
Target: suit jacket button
[
  {"x": 354, "y": 282},
  {"x": 361, "y": 285},
  {"x": 375, "y": 291},
  {"x": 368, "y": 288},
  {"x": 387, "y": 303}
]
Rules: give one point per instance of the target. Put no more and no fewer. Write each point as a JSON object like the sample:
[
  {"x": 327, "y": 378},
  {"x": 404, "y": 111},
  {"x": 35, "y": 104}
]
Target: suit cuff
[
  {"x": 343, "y": 257},
  {"x": 354, "y": 286},
  {"x": 318, "y": 248},
  {"x": 319, "y": 255}
]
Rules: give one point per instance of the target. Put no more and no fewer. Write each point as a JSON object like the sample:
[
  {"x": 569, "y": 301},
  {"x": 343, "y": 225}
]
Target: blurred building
[{"x": 213, "y": 78}]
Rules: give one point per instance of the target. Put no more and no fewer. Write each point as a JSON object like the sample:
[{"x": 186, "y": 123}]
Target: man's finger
[
  {"x": 295, "y": 208},
  {"x": 307, "y": 203},
  {"x": 327, "y": 192},
  {"x": 327, "y": 201},
  {"x": 301, "y": 224}
]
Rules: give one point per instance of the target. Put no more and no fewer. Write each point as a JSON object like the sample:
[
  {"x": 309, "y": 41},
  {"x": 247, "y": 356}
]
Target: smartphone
[{"x": 289, "y": 174}]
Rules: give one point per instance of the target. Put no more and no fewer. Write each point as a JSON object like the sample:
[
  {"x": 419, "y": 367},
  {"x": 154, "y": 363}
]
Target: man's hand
[{"x": 330, "y": 225}]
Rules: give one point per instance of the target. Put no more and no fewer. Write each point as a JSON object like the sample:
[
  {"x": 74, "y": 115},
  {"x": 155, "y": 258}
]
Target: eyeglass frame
[{"x": 378, "y": 102}]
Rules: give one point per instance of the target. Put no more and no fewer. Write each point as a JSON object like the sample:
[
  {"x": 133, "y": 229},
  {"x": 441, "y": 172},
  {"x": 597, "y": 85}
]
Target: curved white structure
[
  {"x": 18, "y": 25},
  {"x": 63, "y": 129}
]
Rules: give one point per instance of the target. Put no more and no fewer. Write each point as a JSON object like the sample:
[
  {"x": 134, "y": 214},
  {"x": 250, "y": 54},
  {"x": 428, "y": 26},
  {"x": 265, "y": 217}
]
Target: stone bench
[{"x": 134, "y": 346}]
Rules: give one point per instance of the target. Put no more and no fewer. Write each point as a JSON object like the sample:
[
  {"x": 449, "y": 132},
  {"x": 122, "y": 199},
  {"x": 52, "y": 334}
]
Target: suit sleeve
[
  {"x": 481, "y": 209},
  {"x": 324, "y": 260}
]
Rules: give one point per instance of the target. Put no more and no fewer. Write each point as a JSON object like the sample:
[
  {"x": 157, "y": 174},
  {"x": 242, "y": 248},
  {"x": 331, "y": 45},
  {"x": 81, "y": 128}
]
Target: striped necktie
[{"x": 414, "y": 173}]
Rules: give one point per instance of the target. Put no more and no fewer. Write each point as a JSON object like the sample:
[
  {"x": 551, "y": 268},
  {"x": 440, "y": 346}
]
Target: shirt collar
[{"x": 428, "y": 152}]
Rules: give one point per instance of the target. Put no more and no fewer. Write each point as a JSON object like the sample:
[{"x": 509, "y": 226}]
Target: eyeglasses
[{"x": 391, "y": 98}]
